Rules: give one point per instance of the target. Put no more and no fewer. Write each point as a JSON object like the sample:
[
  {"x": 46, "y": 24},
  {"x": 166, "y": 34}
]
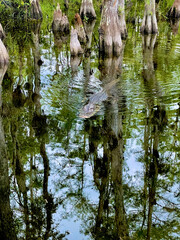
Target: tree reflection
[
  {"x": 29, "y": 115},
  {"x": 7, "y": 225},
  {"x": 155, "y": 124},
  {"x": 108, "y": 169}
]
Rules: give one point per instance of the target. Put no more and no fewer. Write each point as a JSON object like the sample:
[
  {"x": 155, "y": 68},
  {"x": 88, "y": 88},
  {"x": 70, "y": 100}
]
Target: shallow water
[{"x": 108, "y": 175}]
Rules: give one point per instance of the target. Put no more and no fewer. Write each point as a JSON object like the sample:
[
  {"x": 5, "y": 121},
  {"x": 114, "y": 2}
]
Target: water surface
[{"x": 112, "y": 174}]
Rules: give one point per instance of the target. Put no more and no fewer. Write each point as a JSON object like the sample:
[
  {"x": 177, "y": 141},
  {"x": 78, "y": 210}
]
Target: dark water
[{"x": 110, "y": 171}]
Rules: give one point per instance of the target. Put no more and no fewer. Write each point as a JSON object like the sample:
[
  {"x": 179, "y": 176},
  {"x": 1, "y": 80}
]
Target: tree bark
[
  {"x": 149, "y": 23},
  {"x": 87, "y": 10},
  {"x": 110, "y": 42},
  {"x": 174, "y": 12}
]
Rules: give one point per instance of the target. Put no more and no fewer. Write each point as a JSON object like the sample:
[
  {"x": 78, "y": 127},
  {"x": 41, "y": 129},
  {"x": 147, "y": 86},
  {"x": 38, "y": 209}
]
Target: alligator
[{"x": 95, "y": 101}]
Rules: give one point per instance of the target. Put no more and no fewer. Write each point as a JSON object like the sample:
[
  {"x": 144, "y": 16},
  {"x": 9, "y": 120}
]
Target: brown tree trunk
[
  {"x": 110, "y": 35},
  {"x": 149, "y": 23},
  {"x": 87, "y": 10},
  {"x": 174, "y": 12},
  {"x": 122, "y": 20}
]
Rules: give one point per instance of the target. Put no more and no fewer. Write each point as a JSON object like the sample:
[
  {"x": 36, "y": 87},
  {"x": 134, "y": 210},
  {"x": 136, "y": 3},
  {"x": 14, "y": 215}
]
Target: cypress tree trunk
[
  {"x": 110, "y": 35},
  {"x": 149, "y": 23}
]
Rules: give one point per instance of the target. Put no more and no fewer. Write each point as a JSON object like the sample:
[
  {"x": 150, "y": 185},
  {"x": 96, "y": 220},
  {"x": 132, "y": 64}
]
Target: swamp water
[{"x": 107, "y": 171}]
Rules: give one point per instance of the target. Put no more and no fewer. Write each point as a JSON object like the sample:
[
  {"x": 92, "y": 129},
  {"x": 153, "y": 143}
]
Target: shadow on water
[{"x": 89, "y": 146}]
